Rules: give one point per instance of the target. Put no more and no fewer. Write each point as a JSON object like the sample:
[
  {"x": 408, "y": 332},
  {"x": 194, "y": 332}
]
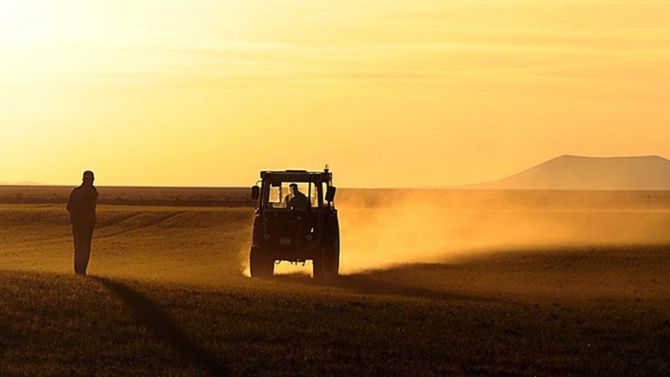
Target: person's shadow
[
  {"x": 3, "y": 349},
  {"x": 163, "y": 328}
]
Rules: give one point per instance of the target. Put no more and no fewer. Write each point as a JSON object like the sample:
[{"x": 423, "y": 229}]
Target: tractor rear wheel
[
  {"x": 327, "y": 263},
  {"x": 318, "y": 269},
  {"x": 260, "y": 265},
  {"x": 331, "y": 236}
]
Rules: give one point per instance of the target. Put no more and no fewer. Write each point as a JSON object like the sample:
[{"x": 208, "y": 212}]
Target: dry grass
[{"x": 167, "y": 297}]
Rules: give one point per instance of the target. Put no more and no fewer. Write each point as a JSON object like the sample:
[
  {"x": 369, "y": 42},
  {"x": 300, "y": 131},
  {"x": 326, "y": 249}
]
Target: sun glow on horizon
[{"x": 389, "y": 93}]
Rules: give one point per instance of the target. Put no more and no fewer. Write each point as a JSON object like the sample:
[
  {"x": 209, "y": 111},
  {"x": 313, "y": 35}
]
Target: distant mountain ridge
[
  {"x": 591, "y": 173},
  {"x": 21, "y": 184}
]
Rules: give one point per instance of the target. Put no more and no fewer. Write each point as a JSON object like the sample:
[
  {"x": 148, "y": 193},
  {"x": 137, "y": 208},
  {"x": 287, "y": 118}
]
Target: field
[{"x": 436, "y": 282}]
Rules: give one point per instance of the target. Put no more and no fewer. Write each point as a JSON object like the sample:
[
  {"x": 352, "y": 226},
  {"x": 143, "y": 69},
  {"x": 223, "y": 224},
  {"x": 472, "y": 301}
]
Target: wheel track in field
[
  {"x": 101, "y": 226},
  {"x": 116, "y": 220},
  {"x": 105, "y": 231},
  {"x": 106, "y": 228},
  {"x": 145, "y": 225}
]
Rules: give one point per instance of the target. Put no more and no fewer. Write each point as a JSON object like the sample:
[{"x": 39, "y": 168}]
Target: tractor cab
[{"x": 295, "y": 221}]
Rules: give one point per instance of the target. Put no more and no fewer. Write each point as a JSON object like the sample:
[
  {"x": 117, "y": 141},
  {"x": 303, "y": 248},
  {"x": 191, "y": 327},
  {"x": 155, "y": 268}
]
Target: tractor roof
[{"x": 297, "y": 175}]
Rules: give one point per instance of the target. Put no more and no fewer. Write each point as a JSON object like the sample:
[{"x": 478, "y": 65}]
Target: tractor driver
[{"x": 298, "y": 199}]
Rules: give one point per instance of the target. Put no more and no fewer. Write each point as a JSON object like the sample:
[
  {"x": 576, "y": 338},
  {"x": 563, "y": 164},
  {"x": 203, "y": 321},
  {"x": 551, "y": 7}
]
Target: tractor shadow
[
  {"x": 164, "y": 329},
  {"x": 370, "y": 283}
]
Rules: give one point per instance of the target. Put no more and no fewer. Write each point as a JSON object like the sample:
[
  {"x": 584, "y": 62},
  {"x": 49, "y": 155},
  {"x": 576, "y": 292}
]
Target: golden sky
[{"x": 389, "y": 93}]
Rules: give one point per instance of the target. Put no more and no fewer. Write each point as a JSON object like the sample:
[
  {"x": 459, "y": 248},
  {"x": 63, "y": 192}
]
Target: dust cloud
[
  {"x": 379, "y": 230},
  {"x": 383, "y": 228}
]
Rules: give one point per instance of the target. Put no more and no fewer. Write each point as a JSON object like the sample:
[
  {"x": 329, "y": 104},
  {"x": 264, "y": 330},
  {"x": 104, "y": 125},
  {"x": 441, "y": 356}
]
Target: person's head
[
  {"x": 293, "y": 187},
  {"x": 88, "y": 177}
]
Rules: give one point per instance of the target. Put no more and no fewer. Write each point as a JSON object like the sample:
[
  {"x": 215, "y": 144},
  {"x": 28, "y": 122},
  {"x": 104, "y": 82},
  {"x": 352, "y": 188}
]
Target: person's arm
[
  {"x": 95, "y": 201},
  {"x": 70, "y": 203}
]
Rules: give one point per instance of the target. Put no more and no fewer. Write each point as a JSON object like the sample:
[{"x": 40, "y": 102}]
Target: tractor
[{"x": 295, "y": 221}]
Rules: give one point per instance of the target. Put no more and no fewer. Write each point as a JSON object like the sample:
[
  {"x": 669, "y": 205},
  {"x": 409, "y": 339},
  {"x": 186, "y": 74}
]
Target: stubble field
[{"x": 435, "y": 283}]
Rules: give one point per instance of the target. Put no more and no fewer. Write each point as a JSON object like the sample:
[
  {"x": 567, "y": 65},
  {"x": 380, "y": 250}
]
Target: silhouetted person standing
[{"x": 81, "y": 207}]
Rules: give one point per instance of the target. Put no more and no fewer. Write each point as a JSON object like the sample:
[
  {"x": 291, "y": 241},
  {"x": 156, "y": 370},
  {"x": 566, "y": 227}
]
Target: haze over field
[
  {"x": 385, "y": 228},
  {"x": 389, "y": 93}
]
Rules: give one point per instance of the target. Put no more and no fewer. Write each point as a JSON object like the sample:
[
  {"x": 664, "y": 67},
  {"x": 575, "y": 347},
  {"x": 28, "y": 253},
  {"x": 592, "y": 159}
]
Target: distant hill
[
  {"x": 20, "y": 184},
  {"x": 591, "y": 173}
]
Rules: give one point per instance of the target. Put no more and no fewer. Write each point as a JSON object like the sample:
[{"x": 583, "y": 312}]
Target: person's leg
[
  {"x": 76, "y": 235},
  {"x": 82, "y": 247},
  {"x": 87, "y": 239}
]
